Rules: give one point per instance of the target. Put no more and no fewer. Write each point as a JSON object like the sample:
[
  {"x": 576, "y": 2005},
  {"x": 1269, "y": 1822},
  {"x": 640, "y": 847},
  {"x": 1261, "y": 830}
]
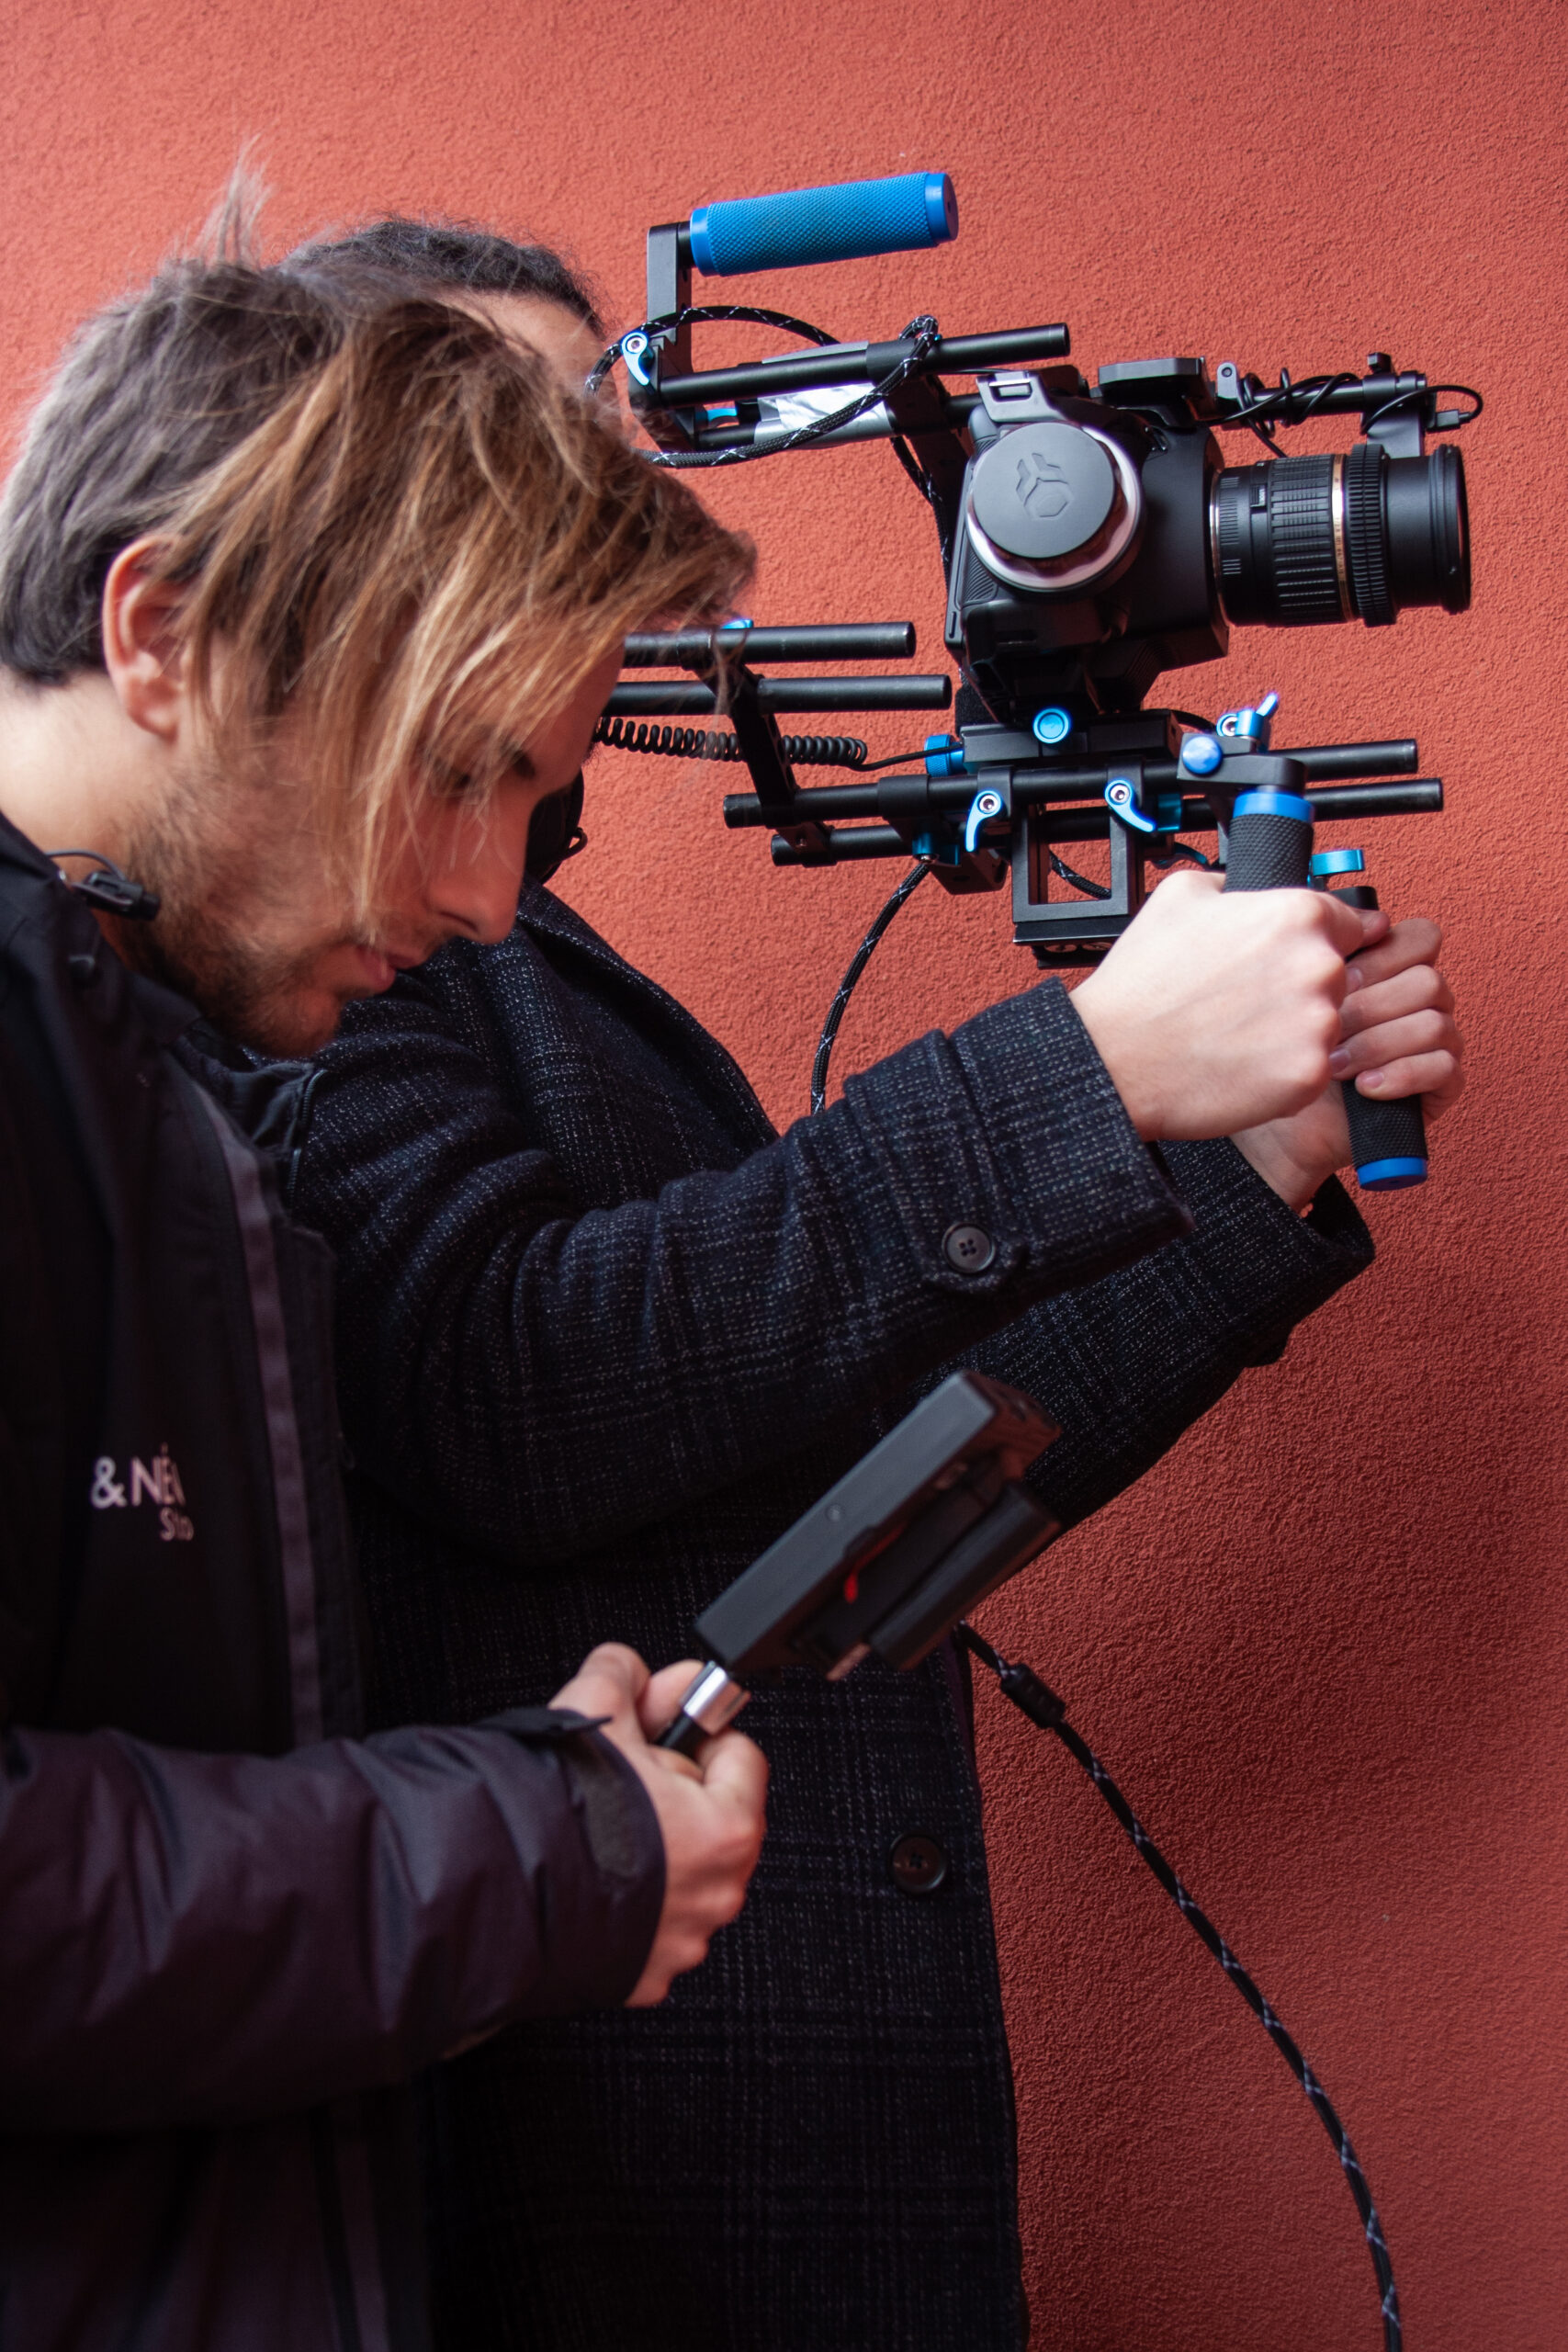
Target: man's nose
[{"x": 478, "y": 894}]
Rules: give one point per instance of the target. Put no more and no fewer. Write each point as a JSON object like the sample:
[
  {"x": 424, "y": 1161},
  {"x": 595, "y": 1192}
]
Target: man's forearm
[
  {"x": 196, "y": 1939},
  {"x": 1126, "y": 1364},
  {"x": 740, "y": 1317}
]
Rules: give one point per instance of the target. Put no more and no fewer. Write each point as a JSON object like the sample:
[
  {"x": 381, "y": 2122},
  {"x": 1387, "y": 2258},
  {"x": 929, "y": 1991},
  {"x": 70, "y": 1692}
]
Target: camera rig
[{"x": 1092, "y": 538}]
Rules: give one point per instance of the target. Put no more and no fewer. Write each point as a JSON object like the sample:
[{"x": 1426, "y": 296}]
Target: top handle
[{"x": 846, "y": 223}]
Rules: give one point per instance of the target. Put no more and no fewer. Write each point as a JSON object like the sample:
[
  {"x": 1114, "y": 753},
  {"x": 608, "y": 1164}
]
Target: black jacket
[
  {"x": 602, "y": 1336},
  {"x": 227, "y": 1926}
]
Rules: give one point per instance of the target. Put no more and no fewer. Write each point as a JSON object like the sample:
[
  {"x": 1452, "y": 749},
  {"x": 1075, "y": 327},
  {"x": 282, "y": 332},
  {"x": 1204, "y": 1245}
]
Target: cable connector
[
  {"x": 1023, "y": 1685},
  {"x": 1035, "y": 1698}
]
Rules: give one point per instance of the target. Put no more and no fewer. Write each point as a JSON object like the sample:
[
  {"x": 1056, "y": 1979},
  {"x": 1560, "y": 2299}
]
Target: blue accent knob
[
  {"x": 1123, "y": 801},
  {"x": 1052, "y": 725},
  {"x": 1202, "y": 754},
  {"x": 1249, "y": 727},
  {"x": 982, "y": 808},
  {"x": 1268, "y": 802},
  {"x": 1390, "y": 1175},
  {"x": 944, "y": 756},
  {"x": 1338, "y": 861}
]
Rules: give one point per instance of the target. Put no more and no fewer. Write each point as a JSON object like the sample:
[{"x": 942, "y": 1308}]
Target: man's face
[
  {"x": 253, "y": 929},
  {"x": 558, "y": 335}
]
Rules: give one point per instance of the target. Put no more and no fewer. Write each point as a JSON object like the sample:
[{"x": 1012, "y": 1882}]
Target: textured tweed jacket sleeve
[{"x": 505, "y": 1312}]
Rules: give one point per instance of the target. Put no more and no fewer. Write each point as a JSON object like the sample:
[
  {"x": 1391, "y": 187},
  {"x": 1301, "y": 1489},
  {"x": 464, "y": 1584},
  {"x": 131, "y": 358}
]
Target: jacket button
[
  {"x": 969, "y": 1248},
  {"x": 918, "y": 1863}
]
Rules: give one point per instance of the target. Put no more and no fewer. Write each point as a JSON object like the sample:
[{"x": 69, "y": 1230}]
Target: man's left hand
[{"x": 1397, "y": 1037}]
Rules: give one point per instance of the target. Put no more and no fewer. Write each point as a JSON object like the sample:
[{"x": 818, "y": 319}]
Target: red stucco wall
[{"x": 1325, "y": 1643}]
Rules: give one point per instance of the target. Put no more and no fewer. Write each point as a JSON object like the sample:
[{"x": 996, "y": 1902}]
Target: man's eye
[{"x": 446, "y": 780}]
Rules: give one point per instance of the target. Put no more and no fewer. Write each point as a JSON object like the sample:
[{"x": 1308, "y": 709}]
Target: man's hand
[
  {"x": 710, "y": 1812},
  {"x": 1398, "y": 1037},
  {"x": 1215, "y": 1013}
]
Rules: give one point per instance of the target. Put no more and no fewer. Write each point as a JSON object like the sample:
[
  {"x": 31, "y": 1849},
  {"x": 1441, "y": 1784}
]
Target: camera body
[
  {"x": 1079, "y": 571},
  {"x": 1103, "y": 540}
]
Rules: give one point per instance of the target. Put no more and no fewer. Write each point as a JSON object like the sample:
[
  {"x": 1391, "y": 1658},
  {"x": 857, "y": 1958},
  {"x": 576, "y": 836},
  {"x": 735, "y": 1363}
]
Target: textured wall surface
[{"x": 1325, "y": 1644}]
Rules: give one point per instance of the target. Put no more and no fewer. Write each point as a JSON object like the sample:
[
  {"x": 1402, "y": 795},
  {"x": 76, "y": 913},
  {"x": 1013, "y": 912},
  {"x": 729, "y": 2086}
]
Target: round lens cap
[{"x": 1043, "y": 490}]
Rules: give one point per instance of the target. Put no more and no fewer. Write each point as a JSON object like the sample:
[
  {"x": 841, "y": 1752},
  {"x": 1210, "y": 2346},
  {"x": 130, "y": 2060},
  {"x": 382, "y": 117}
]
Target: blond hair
[
  {"x": 404, "y": 543},
  {"x": 417, "y": 559}
]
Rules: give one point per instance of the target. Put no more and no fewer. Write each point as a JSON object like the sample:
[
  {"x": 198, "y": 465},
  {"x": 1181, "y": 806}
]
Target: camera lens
[{"x": 1358, "y": 536}]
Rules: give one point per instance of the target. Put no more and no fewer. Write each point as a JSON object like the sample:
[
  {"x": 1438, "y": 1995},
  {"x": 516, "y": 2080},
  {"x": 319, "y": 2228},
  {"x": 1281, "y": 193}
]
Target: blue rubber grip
[{"x": 842, "y": 223}]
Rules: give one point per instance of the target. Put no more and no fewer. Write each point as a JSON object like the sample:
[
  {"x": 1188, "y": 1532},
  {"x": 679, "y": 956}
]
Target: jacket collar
[{"x": 544, "y": 917}]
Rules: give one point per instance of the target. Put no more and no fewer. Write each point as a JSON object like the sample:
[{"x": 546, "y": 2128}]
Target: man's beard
[{"x": 200, "y": 867}]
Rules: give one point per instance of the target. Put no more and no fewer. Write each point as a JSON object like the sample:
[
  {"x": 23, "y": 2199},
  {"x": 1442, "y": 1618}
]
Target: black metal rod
[
  {"x": 844, "y": 849},
  {"x": 1333, "y": 804},
  {"x": 692, "y": 649},
  {"x": 656, "y": 701},
  {"x": 1345, "y": 399},
  {"x": 845, "y": 363},
  {"x": 1332, "y": 762},
  {"x": 898, "y": 795}
]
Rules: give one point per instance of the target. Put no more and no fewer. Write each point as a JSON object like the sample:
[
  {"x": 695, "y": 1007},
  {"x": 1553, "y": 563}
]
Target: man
[
  {"x": 301, "y": 615},
  {"x": 603, "y": 1335}
]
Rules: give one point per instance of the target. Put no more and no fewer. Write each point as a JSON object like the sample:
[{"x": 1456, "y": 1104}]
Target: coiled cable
[{"x": 712, "y": 743}]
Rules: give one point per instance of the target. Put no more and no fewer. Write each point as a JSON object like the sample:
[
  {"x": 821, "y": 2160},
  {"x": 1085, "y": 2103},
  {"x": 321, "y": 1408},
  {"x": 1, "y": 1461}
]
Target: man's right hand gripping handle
[
  {"x": 710, "y": 1808},
  {"x": 1216, "y": 1012},
  {"x": 1270, "y": 849}
]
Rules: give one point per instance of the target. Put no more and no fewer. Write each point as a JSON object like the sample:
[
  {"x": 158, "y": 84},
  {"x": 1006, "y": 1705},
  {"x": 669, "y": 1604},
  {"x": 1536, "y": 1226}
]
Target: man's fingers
[
  {"x": 1418, "y": 1033},
  {"x": 609, "y": 1682},
  {"x": 663, "y": 1693},
  {"x": 1438, "y": 1079},
  {"x": 735, "y": 1766},
  {"x": 1416, "y": 940},
  {"x": 1350, "y": 928},
  {"x": 1416, "y": 990}
]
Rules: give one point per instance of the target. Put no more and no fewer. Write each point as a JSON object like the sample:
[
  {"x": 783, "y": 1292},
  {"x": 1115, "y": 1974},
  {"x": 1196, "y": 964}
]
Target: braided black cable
[
  {"x": 668, "y": 320},
  {"x": 1289, "y": 404},
  {"x": 858, "y": 963},
  {"x": 1077, "y": 881},
  {"x": 712, "y": 743},
  {"x": 921, "y": 333},
  {"x": 1043, "y": 1707}
]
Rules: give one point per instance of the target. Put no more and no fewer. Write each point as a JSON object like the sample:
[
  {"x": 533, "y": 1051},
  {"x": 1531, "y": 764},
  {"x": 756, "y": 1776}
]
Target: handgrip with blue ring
[
  {"x": 1387, "y": 1141},
  {"x": 1269, "y": 845},
  {"x": 845, "y": 223},
  {"x": 1269, "y": 848}
]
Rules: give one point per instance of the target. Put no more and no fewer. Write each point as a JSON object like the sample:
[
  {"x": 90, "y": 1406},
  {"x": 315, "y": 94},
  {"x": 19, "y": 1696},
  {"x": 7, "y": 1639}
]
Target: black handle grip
[
  {"x": 1388, "y": 1141},
  {"x": 1269, "y": 848}
]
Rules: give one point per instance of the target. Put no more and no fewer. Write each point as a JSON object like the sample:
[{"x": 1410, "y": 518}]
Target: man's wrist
[{"x": 1284, "y": 1173}]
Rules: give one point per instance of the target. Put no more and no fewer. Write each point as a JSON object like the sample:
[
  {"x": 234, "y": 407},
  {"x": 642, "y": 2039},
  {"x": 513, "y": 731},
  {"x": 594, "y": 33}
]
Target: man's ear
[{"x": 143, "y": 653}]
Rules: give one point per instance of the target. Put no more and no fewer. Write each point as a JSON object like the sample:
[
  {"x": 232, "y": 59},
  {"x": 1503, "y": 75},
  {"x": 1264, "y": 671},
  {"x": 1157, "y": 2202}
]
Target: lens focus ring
[{"x": 1366, "y": 533}]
